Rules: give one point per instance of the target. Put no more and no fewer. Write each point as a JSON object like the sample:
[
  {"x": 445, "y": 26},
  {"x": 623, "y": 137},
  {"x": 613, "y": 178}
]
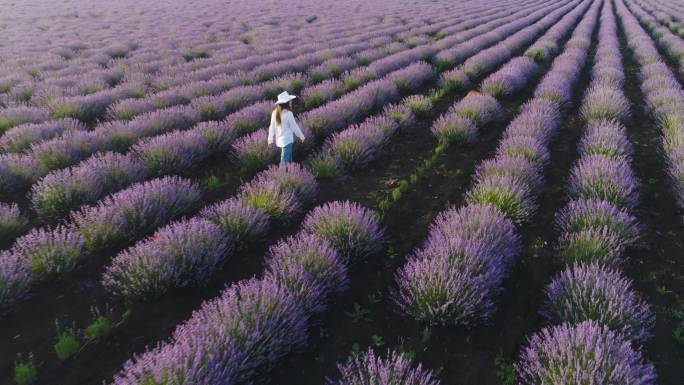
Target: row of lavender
[
  {"x": 62, "y": 261},
  {"x": 455, "y": 276},
  {"x": 222, "y": 53},
  {"x": 591, "y": 306},
  {"x": 356, "y": 146},
  {"x": 18, "y": 167},
  {"x": 257, "y": 66},
  {"x": 664, "y": 96},
  {"x": 344, "y": 151},
  {"x": 176, "y": 160}
]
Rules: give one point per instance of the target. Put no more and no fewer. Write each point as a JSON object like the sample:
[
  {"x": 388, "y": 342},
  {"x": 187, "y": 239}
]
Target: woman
[{"x": 283, "y": 128}]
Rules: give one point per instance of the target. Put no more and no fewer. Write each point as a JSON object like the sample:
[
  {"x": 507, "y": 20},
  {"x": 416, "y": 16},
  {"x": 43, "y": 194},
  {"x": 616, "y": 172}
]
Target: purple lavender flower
[
  {"x": 454, "y": 80},
  {"x": 581, "y": 354},
  {"x": 413, "y": 76},
  {"x": 50, "y": 252},
  {"x": 20, "y": 138},
  {"x": 585, "y": 214},
  {"x": 513, "y": 166},
  {"x": 18, "y": 172},
  {"x": 12, "y": 222},
  {"x": 526, "y": 147},
  {"x": 539, "y": 119},
  {"x": 453, "y": 128},
  {"x": 178, "y": 255},
  {"x": 481, "y": 109},
  {"x": 278, "y": 203},
  {"x": 607, "y": 179},
  {"x": 292, "y": 82},
  {"x": 230, "y": 339},
  {"x": 481, "y": 223},
  {"x": 64, "y": 190},
  {"x": 605, "y": 103},
  {"x": 508, "y": 194},
  {"x": 485, "y": 61},
  {"x": 252, "y": 151},
  {"x": 218, "y": 136},
  {"x": 510, "y": 78},
  {"x": 395, "y": 369},
  {"x": 67, "y": 149},
  {"x": 592, "y": 245},
  {"x": 420, "y": 105},
  {"x": 401, "y": 114},
  {"x": 592, "y": 292},
  {"x": 15, "y": 278},
  {"x": 348, "y": 150},
  {"x": 317, "y": 95},
  {"x": 250, "y": 118},
  {"x": 606, "y": 138},
  {"x": 135, "y": 211},
  {"x": 309, "y": 267},
  {"x": 453, "y": 280},
  {"x": 127, "y": 109},
  {"x": 293, "y": 177},
  {"x": 238, "y": 220},
  {"x": 330, "y": 68},
  {"x": 175, "y": 152},
  {"x": 351, "y": 229},
  {"x": 14, "y": 116}
]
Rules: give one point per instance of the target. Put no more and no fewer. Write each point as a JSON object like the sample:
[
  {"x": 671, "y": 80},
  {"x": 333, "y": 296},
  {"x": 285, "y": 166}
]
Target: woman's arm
[
  {"x": 271, "y": 129},
  {"x": 295, "y": 126}
]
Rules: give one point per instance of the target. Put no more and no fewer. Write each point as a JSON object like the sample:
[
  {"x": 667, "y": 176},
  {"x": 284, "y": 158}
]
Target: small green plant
[
  {"x": 384, "y": 204},
  {"x": 377, "y": 341},
  {"x": 678, "y": 332},
  {"x": 212, "y": 183},
  {"x": 323, "y": 332},
  {"x": 358, "y": 314},
  {"x": 504, "y": 370},
  {"x": 25, "y": 373},
  {"x": 356, "y": 350},
  {"x": 413, "y": 178},
  {"x": 663, "y": 290},
  {"x": 100, "y": 329},
  {"x": 396, "y": 194},
  {"x": 67, "y": 343},
  {"x": 375, "y": 297}
]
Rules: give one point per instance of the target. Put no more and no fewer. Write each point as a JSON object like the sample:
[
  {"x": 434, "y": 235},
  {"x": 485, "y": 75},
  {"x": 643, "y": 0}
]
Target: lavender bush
[
  {"x": 350, "y": 228},
  {"x": 591, "y": 292},
  {"x": 308, "y": 267},
  {"x": 394, "y": 369},
  {"x": 182, "y": 254},
  {"x": 583, "y": 353},
  {"x": 238, "y": 220},
  {"x": 12, "y": 222}
]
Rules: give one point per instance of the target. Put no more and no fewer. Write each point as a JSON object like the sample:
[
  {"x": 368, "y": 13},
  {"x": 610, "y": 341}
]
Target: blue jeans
[{"x": 286, "y": 154}]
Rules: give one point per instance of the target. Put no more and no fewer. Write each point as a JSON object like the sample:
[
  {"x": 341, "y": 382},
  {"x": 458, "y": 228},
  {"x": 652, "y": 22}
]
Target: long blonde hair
[{"x": 278, "y": 110}]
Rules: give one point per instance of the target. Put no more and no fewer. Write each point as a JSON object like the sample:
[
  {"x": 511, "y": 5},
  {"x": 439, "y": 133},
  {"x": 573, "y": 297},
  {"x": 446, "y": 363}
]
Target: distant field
[{"x": 489, "y": 192}]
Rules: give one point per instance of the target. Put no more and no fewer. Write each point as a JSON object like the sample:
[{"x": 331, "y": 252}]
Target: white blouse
[{"x": 283, "y": 133}]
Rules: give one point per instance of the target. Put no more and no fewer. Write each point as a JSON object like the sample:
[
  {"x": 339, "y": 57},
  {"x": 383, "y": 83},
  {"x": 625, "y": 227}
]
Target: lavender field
[{"x": 487, "y": 192}]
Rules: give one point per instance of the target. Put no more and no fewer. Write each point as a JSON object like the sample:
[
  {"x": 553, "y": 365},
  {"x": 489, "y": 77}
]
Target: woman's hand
[{"x": 270, "y": 146}]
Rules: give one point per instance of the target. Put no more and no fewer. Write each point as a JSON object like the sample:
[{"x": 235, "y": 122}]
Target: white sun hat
[{"x": 284, "y": 97}]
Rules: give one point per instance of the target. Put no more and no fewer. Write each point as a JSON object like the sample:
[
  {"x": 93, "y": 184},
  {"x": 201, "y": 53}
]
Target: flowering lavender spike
[
  {"x": 395, "y": 369},
  {"x": 50, "y": 252},
  {"x": 607, "y": 138},
  {"x": 607, "y": 179},
  {"x": 587, "y": 353},
  {"x": 15, "y": 278},
  {"x": 12, "y": 222},
  {"x": 229, "y": 340},
  {"x": 481, "y": 109},
  {"x": 253, "y": 153},
  {"x": 135, "y": 211},
  {"x": 586, "y": 214},
  {"x": 181, "y": 254},
  {"x": 309, "y": 267},
  {"x": 508, "y": 194},
  {"x": 605, "y": 103},
  {"x": 591, "y": 292},
  {"x": 19, "y": 138},
  {"x": 453, "y": 128},
  {"x": 175, "y": 152},
  {"x": 351, "y": 228},
  {"x": 592, "y": 246},
  {"x": 239, "y": 221}
]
